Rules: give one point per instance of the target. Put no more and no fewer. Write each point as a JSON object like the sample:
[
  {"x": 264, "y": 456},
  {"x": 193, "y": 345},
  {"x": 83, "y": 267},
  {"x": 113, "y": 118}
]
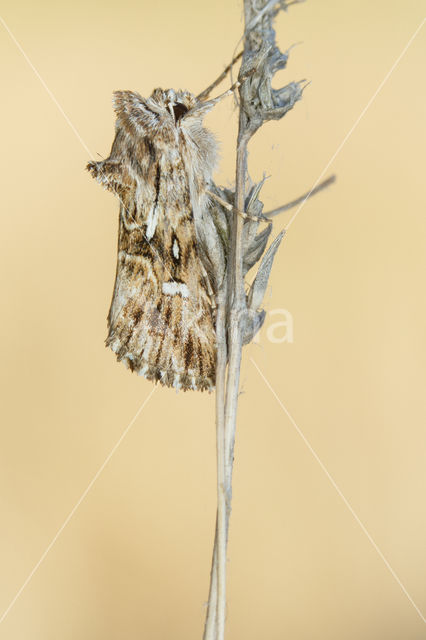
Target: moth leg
[{"x": 230, "y": 207}]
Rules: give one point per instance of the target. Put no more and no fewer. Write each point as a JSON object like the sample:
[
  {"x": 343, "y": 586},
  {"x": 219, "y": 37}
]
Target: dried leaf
[
  {"x": 252, "y": 323},
  {"x": 211, "y": 248},
  {"x": 258, "y": 288},
  {"x": 253, "y": 251}
]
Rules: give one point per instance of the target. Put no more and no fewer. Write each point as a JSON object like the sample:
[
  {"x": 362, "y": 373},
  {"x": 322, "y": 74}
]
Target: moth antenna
[
  {"x": 205, "y": 94},
  {"x": 207, "y": 105},
  {"x": 238, "y": 83}
]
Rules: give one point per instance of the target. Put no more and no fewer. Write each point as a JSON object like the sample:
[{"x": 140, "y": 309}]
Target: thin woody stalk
[
  {"x": 217, "y": 592},
  {"x": 231, "y": 305},
  {"x": 235, "y": 306},
  {"x": 238, "y": 314},
  {"x": 230, "y": 309},
  {"x": 221, "y": 523}
]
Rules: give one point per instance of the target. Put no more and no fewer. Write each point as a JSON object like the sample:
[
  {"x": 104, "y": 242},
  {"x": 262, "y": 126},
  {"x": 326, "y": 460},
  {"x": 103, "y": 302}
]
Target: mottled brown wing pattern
[{"x": 161, "y": 322}]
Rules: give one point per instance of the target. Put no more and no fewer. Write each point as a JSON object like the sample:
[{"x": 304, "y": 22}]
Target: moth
[{"x": 161, "y": 322}]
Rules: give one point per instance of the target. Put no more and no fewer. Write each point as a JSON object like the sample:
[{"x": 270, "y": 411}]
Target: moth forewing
[{"x": 161, "y": 320}]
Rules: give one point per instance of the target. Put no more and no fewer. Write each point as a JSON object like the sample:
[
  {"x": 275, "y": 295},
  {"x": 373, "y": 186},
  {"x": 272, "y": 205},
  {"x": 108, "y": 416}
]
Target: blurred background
[{"x": 133, "y": 561}]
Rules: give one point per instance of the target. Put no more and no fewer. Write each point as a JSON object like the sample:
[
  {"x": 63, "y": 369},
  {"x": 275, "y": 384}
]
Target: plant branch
[
  {"x": 290, "y": 205},
  {"x": 221, "y": 536},
  {"x": 238, "y": 316}
]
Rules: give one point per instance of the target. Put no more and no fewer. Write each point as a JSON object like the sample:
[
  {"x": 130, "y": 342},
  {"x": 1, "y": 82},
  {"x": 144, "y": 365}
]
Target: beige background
[{"x": 133, "y": 561}]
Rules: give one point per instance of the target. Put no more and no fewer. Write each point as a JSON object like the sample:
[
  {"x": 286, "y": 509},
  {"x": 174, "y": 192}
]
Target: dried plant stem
[
  {"x": 217, "y": 594},
  {"x": 222, "y": 519},
  {"x": 231, "y": 304},
  {"x": 210, "y": 625},
  {"x": 258, "y": 103}
]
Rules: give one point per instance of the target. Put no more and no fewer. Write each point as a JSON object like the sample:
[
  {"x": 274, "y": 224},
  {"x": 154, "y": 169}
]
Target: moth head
[
  {"x": 181, "y": 106},
  {"x": 165, "y": 111},
  {"x": 177, "y": 103},
  {"x": 169, "y": 119}
]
